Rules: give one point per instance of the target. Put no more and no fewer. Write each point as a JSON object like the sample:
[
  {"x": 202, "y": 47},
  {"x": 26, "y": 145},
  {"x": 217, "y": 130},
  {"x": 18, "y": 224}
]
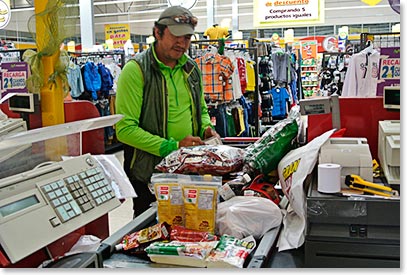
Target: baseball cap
[{"x": 179, "y": 20}]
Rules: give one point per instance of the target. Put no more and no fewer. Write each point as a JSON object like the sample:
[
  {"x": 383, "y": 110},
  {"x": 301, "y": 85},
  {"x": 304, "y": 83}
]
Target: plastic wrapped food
[
  {"x": 180, "y": 253},
  {"x": 216, "y": 160},
  {"x": 230, "y": 252},
  {"x": 182, "y": 234},
  {"x": 137, "y": 241},
  {"x": 263, "y": 156}
]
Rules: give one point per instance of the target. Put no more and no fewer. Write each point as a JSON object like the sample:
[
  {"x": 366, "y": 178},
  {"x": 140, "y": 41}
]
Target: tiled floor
[{"x": 124, "y": 213}]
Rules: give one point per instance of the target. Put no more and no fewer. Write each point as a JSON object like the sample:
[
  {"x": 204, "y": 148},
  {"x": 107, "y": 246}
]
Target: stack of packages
[
  {"x": 206, "y": 222},
  {"x": 185, "y": 233}
]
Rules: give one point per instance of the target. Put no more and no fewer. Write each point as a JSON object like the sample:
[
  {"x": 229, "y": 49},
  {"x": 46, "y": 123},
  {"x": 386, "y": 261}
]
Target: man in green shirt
[{"x": 161, "y": 97}]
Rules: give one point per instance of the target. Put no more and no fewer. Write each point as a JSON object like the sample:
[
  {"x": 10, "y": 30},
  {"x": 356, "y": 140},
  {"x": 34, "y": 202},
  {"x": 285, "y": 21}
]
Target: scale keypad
[{"x": 78, "y": 193}]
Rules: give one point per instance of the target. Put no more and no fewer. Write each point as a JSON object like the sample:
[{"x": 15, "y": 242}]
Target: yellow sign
[
  {"x": 5, "y": 13},
  {"x": 371, "y": 2},
  {"x": 119, "y": 33}
]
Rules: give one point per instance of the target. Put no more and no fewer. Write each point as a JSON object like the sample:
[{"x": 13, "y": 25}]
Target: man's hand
[
  {"x": 190, "y": 141},
  {"x": 209, "y": 132}
]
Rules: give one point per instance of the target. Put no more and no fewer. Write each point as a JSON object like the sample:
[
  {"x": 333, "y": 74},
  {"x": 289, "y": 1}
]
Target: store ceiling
[{"x": 141, "y": 14}]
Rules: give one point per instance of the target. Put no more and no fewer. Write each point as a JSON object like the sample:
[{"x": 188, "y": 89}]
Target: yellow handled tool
[{"x": 357, "y": 183}]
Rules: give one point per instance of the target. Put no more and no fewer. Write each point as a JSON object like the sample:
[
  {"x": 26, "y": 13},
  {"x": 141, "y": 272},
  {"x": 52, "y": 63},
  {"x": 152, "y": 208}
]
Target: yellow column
[{"x": 51, "y": 96}]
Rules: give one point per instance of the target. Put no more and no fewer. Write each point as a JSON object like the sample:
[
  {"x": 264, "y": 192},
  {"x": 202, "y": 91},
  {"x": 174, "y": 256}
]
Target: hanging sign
[
  {"x": 389, "y": 68},
  {"x": 5, "y": 13},
  {"x": 119, "y": 33},
  {"x": 14, "y": 78},
  {"x": 270, "y": 13}
]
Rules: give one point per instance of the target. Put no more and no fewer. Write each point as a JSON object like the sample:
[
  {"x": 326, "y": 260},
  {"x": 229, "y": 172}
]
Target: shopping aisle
[{"x": 124, "y": 213}]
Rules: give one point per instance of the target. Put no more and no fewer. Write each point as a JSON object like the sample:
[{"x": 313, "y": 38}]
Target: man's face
[{"x": 171, "y": 47}]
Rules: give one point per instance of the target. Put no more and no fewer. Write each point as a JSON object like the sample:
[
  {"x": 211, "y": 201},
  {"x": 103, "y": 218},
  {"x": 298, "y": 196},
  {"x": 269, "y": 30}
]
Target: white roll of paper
[{"x": 329, "y": 178}]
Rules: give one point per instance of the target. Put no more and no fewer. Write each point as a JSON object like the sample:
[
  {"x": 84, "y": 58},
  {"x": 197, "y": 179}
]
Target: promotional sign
[
  {"x": 119, "y": 33},
  {"x": 309, "y": 49},
  {"x": 324, "y": 43},
  {"x": 5, "y": 13},
  {"x": 14, "y": 78},
  {"x": 269, "y": 13},
  {"x": 389, "y": 68}
]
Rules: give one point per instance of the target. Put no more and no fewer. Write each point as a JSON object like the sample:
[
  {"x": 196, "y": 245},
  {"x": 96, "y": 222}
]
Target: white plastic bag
[
  {"x": 242, "y": 216},
  {"x": 292, "y": 171}
]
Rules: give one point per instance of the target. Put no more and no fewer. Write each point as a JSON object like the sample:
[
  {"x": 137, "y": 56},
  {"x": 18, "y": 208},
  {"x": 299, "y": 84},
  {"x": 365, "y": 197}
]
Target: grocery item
[
  {"x": 231, "y": 252},
  {"x": 216, "y": 160},
  {"x": 180, "y": 253},
  {"x": 137, "y": 241},
  {"x": 263, "y": 156}
]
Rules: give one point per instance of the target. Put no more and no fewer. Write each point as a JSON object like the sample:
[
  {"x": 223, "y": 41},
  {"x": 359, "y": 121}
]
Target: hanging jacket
[
  {"x": 92, "y": 79},
  {"x": 106, "y": 78}
]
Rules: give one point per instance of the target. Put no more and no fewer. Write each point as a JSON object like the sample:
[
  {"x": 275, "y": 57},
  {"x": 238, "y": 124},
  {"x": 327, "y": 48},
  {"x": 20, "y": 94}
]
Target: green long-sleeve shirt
[{"x": 129, "y": 98}]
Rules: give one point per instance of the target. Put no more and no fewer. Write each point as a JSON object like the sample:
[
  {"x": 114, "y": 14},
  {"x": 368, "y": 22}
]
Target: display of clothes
[
  {"x": 362, "y": 75},
  {"x": 278, "y": 84},
  {"x": 226, "y": 79},
  {"x": 75, "y": 80},
  {"x": 216, "y": 73},
  {"x": 95, "y": 79}
]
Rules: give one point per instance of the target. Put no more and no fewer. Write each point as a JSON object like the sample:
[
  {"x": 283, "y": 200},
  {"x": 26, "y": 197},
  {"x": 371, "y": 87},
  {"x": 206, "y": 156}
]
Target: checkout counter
[
  {"x": 341, "y": 231},
  {"x": 355, "y": 231}
]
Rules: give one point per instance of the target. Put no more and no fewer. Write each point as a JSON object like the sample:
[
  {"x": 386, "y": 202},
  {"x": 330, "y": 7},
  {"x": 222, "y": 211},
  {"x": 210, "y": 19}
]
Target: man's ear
[{"x": 158, "y": 32}]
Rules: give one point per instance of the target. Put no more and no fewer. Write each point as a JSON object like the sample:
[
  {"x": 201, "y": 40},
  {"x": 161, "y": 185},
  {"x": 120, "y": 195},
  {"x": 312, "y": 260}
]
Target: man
[{"x": 161, "y": 97}]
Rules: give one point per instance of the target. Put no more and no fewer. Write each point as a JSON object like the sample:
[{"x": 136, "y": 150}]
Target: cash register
[
  {"x": 49, "y": 201},
  {"x": 389, "y": 137}
]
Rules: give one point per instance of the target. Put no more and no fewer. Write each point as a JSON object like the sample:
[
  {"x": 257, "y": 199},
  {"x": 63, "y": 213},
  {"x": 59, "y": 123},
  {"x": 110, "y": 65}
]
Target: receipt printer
[{"x": 353, "y": 154}]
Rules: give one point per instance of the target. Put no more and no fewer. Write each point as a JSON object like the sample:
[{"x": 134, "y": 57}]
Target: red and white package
[
  {"x": 216, "y": 160},
  {"x": 182, "y": 234}
]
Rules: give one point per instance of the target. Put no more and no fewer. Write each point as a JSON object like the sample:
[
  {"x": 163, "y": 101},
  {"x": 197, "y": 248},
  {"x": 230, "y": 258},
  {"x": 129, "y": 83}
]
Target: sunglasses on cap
[{"x": 184, "y": 19}]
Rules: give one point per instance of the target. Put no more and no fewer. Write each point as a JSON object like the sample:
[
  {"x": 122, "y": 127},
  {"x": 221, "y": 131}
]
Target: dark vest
[{"x": 139, "y": 165}]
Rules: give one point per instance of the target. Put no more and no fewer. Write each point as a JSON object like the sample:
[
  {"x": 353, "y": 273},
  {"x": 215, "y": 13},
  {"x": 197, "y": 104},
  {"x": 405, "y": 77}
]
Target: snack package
[
  {"x": 180, "y": 253},
  {"x": 292, "y": 171},
  {"x": 136, "y": 242},
  {"x": 170, "y": 200},
  {"x": 216, "y": 160},
  {"x": 182, "y": 234},
  {"x": 231, "y": 252},
  {"x": 263, "y": 156},
  {"x": 200, "y": 202}
]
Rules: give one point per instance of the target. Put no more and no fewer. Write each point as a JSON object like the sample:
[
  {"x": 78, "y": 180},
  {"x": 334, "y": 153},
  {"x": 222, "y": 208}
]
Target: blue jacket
[
  {"x": 92, "y": 79},
  {"x": 107, "y": 79}
]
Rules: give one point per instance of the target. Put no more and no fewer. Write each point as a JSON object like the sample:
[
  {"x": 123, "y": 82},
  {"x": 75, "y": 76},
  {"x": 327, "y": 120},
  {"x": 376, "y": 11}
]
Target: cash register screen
[
  {"x": 19, "y": 205},
  {"x": 391, "y": 97}
]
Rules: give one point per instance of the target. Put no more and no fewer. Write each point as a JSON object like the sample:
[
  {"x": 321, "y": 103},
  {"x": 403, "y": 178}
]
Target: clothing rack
[
  {"x": 11, "y": 51},
  {"x": 101, "y": 55},
  {"x": 253, "y": 52},
  {"x": 380, "y": 40}
]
